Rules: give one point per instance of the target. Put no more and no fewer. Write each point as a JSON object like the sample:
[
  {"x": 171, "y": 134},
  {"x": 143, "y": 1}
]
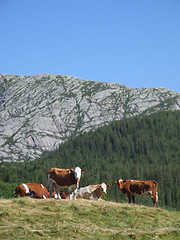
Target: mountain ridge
[{"x": 39, "y": 112}]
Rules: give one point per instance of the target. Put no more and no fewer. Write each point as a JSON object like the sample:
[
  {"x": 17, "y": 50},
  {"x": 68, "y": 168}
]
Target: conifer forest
[{"x": 142, "y": 147}]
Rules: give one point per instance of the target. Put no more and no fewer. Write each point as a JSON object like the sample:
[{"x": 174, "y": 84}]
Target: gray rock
[{"x": 41, "y": 111}]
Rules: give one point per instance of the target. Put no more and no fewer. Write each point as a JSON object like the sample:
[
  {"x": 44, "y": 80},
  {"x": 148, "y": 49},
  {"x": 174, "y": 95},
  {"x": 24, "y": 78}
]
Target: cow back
[
  {"x": 38, "y": 190},
  {"x": 62, "y": 177},
  {"x": 139, "y": 187}
]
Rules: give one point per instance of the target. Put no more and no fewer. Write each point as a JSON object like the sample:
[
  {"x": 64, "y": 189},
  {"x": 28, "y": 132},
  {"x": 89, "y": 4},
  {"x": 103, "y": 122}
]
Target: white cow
[{"x": 92, "y": 191}]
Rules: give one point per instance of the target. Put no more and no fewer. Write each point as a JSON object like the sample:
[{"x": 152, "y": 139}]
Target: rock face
[{"x": 39, "y": 112}]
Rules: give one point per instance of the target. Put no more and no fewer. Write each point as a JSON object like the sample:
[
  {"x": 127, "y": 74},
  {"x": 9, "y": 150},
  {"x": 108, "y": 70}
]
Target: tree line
[{"x": 142, "y": 147}]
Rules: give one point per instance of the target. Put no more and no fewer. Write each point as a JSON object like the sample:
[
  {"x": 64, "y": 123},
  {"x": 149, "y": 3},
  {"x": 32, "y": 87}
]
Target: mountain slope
[{"x": 41, "y": 111}]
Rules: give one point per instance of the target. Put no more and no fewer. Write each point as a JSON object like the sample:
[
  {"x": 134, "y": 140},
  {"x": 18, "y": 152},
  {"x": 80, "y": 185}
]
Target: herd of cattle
[{"x": 70, "y": 178}]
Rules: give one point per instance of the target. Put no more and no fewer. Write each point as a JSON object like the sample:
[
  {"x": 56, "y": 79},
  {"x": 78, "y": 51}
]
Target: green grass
[{"x": 26, "y": 218}]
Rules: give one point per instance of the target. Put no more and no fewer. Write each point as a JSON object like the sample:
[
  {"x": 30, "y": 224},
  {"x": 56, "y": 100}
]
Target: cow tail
[{"x": 155, "y": 185}]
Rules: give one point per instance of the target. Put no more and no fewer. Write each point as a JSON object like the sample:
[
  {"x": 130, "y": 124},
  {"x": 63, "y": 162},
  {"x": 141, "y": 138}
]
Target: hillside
[
  {"x": 37, "y": 113},
  {"x": 138, "y": 148},
  {"x": 84, "y": 219}
]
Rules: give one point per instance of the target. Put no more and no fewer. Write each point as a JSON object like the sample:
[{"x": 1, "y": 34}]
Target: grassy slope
[{"x": 27, "y": 218}]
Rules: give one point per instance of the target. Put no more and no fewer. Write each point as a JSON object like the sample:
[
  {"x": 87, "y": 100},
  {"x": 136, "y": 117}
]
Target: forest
[{"x": 142, "y": 147}]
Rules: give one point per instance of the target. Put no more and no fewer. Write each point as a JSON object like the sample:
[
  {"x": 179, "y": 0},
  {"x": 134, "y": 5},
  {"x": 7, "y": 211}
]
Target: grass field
[{"x": 26, "y": 218}]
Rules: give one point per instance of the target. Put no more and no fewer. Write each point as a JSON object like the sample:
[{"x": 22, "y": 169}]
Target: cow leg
[
  {"x": 73, "y": 195},
  {"x": 129, "y": 197},
  {"x": 50, "y": 190},
  {"x": 58, "y": 195},
  {"x": 75, "y": 190},
  {"x": 72, "y": 192},
  {"x": 57, "y": 192},
  {"x": 31, "y": 194},
  {"x": 50, "y": 187},
  {"x": 155, "y": 198},
  {"x": 50, "y": 183},
  {"x": 133, "y": 198}
]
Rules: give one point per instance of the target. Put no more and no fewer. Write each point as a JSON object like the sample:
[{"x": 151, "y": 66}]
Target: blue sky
[{"x": 131, "y": 42}]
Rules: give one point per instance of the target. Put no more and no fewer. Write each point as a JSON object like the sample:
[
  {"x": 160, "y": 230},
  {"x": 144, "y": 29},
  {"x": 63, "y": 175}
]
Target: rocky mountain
[{"x": 39, "y": 112}]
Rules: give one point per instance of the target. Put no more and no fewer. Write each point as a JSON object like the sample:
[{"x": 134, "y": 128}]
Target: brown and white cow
[
  {"x": 34, "y": 190},
  {"x": 63, "y": 194},
  {"x": 136, "y": 187},
  {"x": 64, "y": 178},
  {"x": 93, "y": 191}
]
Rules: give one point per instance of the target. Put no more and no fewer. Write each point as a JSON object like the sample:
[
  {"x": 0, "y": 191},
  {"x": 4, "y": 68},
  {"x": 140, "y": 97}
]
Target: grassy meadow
[{"x": 26, "y": 218}]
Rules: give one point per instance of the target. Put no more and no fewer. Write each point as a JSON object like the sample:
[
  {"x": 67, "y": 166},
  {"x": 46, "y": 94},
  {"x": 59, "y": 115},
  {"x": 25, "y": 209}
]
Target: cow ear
[
  {"x": 82, "y": 170},
  {"x": 115, "y": 181},
  {"x": 108, "y": 185}
]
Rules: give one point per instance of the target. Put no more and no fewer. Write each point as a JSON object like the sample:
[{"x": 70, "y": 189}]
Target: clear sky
[{"x": 132, "y": 42}]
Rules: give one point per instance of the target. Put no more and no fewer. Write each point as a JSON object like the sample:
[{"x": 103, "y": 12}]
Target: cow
[
  {"x": 136, "y": 187},
  {"x": 92, "y": 191},
  {"x": 34, "y": 190},
  {"x": 64, "y": 178}
]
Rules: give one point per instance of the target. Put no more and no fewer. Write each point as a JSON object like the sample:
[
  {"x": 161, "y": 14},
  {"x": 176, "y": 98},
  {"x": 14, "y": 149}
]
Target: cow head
[
  {"x": 77, "y": 174},
  {"x": 104, "y": 187},
  {"x": 120, "y": 183}
]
